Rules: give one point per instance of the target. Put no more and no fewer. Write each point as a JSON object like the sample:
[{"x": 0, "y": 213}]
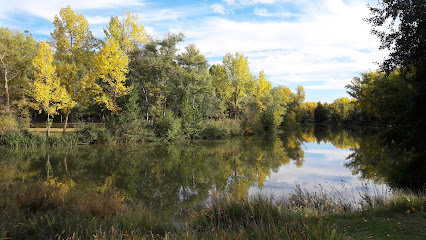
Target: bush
[
  {"x": 8, "y": 123},
  {"x": 216, "y": 129},
  {"x": 125, "y": 129},
  {"x": 88, "y": 133},
  {"x": 169, "y": 127}
]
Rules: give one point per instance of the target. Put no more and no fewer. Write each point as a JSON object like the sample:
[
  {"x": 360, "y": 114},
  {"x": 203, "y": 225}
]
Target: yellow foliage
[
  {"x": 129, "y": 33},
  {"x": 263, "y": 87},
  {"x": 74, "y": 44},
  {"x": 46, "y": 89},
  {"x": 111, "y": 66},
  {"x": 62, "y": 188}
]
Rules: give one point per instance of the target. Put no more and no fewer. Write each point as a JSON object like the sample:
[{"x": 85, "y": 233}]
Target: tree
[
  {"x": 111, "y": 66},
  {"x": 47, "y": 90},
  {"x": 154, "y": 68},
  {"x": 320, "y": 113},
  {"x": 129, "y": 33},
  {"x": 16, "y": 52},
  {"x": 75, "y": 50},
  {"x": 405, "y": 37},
  {"x": 262, "y": 89},
  {"x": 341, "y": 109},
  {"x": 405, "y": 34},
  {"x": 239, "y": 77}
]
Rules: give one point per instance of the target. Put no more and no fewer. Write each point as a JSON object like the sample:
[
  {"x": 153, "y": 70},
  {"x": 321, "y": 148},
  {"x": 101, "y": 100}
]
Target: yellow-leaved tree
[
  {"x": 46, "y": 89},
  {"x": 129, "y": 33},
  {"x": 111, "y": 66},
  {"x": 263, "y": 88},
  {"x": 75, "y": 48}
]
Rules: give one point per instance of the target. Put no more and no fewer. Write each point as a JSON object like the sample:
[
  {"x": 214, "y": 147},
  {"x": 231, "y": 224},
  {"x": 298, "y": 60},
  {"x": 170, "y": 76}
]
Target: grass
[
  {"x": 53, "y": 131},
  {"x": 384, "y": 226},
  {"x": 60, "y": 210}
]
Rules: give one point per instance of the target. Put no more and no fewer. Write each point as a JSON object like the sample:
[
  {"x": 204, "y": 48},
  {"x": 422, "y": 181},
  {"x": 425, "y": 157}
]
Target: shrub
[
  {"x": 88, "y": 133},
  {"x": 216, "y": 129},
  {"x": 169, "y": 127},
  {"x": 8, "y": 123}
]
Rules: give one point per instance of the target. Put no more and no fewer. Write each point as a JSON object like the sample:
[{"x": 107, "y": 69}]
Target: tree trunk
[
  {"x": 6, "y": 80},
  {"x": 6, "y": 88},
  {"x": 48, "y": 125},
  {"x": 65, "y": 124}
]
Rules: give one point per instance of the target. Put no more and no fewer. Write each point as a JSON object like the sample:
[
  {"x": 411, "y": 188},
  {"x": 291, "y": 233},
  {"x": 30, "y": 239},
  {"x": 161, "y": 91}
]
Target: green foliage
[
  {"x": 169, "y": 127},
  {"x": 23, "y": 138},
  {"x": 341, "y": 109},
  {"x": 217, "y": 129},
  {"x": 128, "y": 126},
  {"x": 17, "y": 50},
  {"x": 88, "y": 133},
  {"x": 320, "y": 113}
]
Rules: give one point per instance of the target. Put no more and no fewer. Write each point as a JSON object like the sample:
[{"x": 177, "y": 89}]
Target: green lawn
[{"x": 382, "y": 226}]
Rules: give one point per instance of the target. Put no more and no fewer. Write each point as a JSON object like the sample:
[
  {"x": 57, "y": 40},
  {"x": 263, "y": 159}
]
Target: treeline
[{"x": 136, "y": 84}]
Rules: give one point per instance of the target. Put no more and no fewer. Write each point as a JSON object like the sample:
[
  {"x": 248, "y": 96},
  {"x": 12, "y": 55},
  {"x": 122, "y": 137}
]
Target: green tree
[
  {"x": 17, "y": 50},
  {"x": 154, "y": 68},
  {"x": 320, "y": 113},
  {"x": 401, "y": 27},
  {"x": 239, "y": 78},
  {"x": 341, "y": 109}
]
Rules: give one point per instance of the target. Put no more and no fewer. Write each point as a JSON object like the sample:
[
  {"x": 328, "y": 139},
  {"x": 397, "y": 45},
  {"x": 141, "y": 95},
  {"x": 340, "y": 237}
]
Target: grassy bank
[
  {"x": 59, "y": 210},
  {"x": 92, "y": 133}
]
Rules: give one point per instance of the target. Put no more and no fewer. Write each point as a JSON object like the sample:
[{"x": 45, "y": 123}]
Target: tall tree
[
  {"x": 129, "y": 33},
  {"x": 239, "y": 77},
  {"x": 262, "y": 89},
  {"x": 401, "y": 27},
  {"x": 47, "y": 90},
  {"x": 155, "y": 67},
  {"x": 16, "y": 52},
  {"x": 75, "y": 50},
  {"x": 110, "y": 69}
]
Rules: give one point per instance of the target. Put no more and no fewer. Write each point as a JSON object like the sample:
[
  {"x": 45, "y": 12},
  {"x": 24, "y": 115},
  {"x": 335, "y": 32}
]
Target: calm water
[{"x": 184, "y": 173}]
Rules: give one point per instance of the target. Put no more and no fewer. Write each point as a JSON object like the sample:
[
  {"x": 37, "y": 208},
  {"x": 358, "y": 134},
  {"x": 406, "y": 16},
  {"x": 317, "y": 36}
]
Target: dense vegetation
[
  {"x": 133, "y": 83},
  {"x": 142, "y": 88}
]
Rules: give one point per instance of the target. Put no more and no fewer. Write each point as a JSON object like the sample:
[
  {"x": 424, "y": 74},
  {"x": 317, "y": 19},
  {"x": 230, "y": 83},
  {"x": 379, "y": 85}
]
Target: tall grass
[
  {"x": 55, "y": 210},
  {"x": 59, "y": 210}
]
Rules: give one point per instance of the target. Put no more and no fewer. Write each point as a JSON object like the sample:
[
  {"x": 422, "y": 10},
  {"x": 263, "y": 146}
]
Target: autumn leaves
[{"x": 84, "y": 69}]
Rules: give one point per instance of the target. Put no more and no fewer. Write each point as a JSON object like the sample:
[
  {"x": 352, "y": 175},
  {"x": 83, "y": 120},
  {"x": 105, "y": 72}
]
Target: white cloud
[
  {"x": 47, "y": 9},
  {"x": 263, "y": 12},
  {"x": 327, "y": 45},
  {"x": 230, "y": 2},
  {"x": 217, "y": 8},
  {"x": 254, "y": 2},
  {"x": 323, "y": 47},
  {"x": 98, "y": 20}
]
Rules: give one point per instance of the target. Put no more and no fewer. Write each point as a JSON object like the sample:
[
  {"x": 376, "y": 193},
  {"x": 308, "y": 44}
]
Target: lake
[{"x": 171, "y": 176}]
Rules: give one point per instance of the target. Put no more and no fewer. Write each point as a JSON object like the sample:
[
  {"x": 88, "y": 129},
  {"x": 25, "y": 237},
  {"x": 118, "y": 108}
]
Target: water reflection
[{"x": 180, "y": 174}]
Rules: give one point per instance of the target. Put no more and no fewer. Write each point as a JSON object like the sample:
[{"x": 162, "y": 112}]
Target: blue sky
[{"x": 319, "y": 44}]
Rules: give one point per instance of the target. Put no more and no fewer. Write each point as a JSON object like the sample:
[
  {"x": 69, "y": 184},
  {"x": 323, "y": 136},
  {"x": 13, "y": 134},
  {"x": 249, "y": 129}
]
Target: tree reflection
[{"x": 182, "y": 174}]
